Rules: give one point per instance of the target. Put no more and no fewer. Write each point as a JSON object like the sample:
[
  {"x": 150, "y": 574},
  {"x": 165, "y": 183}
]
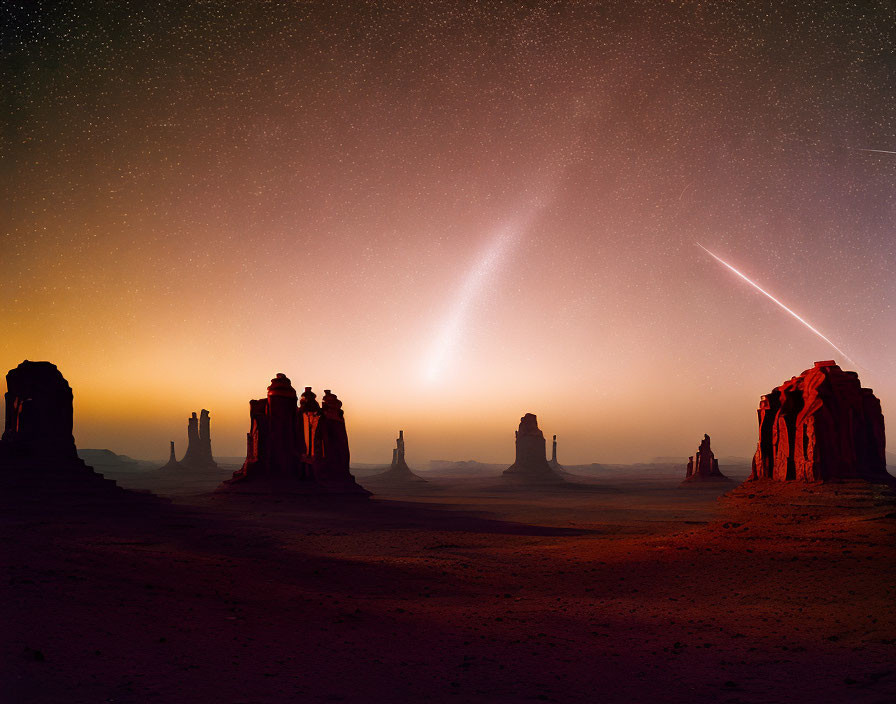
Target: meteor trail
[
  {"x": 877, "y": 151},
  {"x": 763, "y": 291},
  {"x": 476, "y": 284}
]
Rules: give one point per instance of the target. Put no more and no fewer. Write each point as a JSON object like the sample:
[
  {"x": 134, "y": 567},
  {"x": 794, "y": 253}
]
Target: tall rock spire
[
  {"x": 199, "y": 443},
  {"x": 553, "y": 463},
  {"x": 172, "y": 460},
  {"x": 398, "y": 472}
]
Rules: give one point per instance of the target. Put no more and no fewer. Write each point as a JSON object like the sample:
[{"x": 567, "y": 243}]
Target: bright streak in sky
[
  {"x": 472, "y": 288},
  {"x": 475, "y": 288},
  {"x": 877, "y": 151},
  {"x": 763, "y": 291}
]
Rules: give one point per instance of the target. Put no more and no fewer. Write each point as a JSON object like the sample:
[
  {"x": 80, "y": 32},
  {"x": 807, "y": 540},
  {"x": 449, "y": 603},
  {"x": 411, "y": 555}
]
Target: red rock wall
[{"x": 820, "y": 426}]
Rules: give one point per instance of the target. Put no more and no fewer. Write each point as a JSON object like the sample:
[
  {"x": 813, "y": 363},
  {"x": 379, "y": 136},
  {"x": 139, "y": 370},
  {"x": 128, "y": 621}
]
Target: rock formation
[
  {"x": 37, "y": 449},
  {"x": 553, "y": 463},
  {"x": 199, "y": 443},
  {"x": 39, "y": 415},
  {"x": 704, "y": 467},
  {"x": 398, "y": 472},
  {"x": 173, "y": 464},
  {"x": 821, "y": 426},
  {"x": 530, "y": 464},
  {"x": 295, "y": 445}
]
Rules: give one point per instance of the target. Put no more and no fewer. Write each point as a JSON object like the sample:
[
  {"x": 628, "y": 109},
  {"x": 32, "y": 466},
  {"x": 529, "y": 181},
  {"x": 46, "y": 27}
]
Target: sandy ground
[{"x": 615, "y": 591}]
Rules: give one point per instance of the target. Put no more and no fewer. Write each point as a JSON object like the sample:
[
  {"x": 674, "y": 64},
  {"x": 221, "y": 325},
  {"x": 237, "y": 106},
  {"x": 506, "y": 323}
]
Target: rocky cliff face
[
  {"x": 294, "y": 445},
  {"x": 821, "y": 426},
  {"x": 704, "y": 466},
  {"x": 530, "y": 463}
]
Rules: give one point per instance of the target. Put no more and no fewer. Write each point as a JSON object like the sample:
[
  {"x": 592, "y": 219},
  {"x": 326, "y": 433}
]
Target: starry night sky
[{"x": 449, "y": 213}]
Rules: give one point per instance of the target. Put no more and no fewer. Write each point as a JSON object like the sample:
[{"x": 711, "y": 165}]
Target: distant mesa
[
  {"x": 821, "y": 426},
  {"x": 464, "y": 468},
  {"x": 295, "y": 446},
  {"x": 703, "y": 467},
  {"x": 37, "y": 450},
  {"x": 106, "y": 460},
  {"x": 198, "y": 457},
  {"x": 530, "y": 464},
  {"x": 398, "y": 472}
]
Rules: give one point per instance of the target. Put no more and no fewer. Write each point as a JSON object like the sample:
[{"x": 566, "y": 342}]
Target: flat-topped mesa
[
  {"x": 398, "y": 471},
  {"x": 172, "y": 460},
  {"x": 37, "y": 449},
  {"x": 821, "y": 426},
  {"x": 296, "y": 445},
  {"x": 530, "y": 463},
  {"x": 199, "y": 443},
  {"x": 704, "y": 467}
]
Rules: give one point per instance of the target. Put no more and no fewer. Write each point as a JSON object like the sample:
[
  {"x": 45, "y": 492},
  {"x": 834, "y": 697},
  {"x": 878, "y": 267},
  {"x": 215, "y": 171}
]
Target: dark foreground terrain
[{"x": 615, "y": 591}]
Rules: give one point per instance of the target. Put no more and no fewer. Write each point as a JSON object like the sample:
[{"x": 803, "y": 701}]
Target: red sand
[{"x": 626, "y": 593}]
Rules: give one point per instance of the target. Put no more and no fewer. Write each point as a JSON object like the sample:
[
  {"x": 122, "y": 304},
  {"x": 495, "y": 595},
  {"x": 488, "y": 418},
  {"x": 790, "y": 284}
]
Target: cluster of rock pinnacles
[
  {"x": 199, "y": 446},
  {"x": 296, "y": 444},
  {"x": 704, "y": 467}
]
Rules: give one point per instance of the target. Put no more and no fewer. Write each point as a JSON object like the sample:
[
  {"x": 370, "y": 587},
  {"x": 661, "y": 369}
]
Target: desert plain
[{"x": 618, "y": 586}]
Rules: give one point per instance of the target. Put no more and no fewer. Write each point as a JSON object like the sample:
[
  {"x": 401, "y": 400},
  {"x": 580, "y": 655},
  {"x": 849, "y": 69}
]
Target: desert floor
[{"x": 616, "y": 590}]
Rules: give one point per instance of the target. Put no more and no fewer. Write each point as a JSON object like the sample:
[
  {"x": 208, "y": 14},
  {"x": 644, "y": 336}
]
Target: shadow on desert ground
[{"x": 619, "y": 589}]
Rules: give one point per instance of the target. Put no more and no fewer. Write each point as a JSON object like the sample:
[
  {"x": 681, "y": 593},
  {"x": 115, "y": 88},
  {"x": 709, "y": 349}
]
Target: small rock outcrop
[
  {"x": 199, "y": 443},
  {"x": 530, "y": 464},
  {"x": 704, "y": 467},
  {"x": 172, "y": 464},
  {"x": 398, "y": 472},
  {"x": 821, "y": 426},
  {"x": 296, "y": 445},
  {"x": 37, "y": 449}
]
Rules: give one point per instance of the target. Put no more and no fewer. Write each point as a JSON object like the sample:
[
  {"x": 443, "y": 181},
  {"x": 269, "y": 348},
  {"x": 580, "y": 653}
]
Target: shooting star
[
  {"x": 766, "y": 293},
  {"x": 877, "y": 151}
]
